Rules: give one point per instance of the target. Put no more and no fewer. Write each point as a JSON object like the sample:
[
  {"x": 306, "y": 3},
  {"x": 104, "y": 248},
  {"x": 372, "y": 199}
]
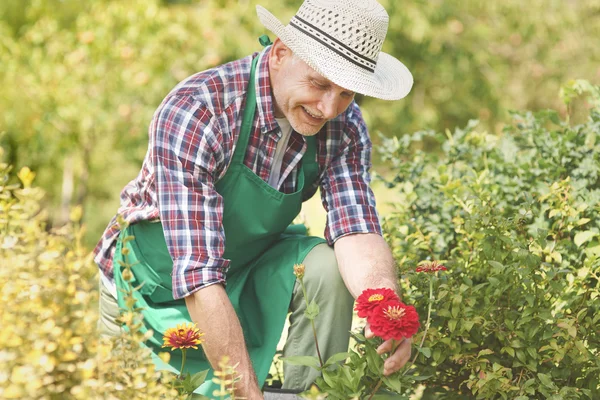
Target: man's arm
[
  {"x": 365, "y": 261},
  {"x": 223, "y": 336},
  {"x": 187, "y": 155}
]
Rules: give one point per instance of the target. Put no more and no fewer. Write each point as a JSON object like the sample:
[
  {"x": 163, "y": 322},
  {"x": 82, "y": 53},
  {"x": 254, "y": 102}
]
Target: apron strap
[
  {"x": 309, "y": 160},
  {"x": 248, "y": 118}
]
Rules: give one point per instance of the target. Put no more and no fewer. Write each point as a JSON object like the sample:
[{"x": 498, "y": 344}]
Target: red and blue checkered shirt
[{"x": 192, "y": 138}]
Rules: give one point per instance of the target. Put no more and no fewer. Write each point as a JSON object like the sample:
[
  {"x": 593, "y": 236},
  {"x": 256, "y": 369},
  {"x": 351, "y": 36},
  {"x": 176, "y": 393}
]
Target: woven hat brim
[{"x": 390, "y": 81}]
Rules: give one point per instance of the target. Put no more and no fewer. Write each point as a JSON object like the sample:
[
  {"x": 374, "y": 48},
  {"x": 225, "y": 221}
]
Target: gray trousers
[{"x": 324, "y": 284}]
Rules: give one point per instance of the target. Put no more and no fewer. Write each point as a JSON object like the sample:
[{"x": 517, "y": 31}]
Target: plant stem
[
  {"x": 427, "y": 323},
  {"x": 182, "y": 362},
  {"x": 376, "y": 388},
  {"x": 312, "y": 322},
  {"x": 394, "y": 347}
]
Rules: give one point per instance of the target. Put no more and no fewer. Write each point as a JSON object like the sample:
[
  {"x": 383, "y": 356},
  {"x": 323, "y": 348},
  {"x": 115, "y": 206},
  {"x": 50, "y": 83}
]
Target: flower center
[
  {"x": 376, "y": 297},
  {"x": 394, "y": 312}
]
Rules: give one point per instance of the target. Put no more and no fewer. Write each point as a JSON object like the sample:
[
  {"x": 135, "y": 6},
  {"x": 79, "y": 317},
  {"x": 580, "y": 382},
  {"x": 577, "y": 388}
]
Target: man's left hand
[{"x": 397, "y": 360}]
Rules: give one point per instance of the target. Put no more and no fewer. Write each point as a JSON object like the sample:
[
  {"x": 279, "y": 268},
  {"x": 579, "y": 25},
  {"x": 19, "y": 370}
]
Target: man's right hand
[{"x": 212, "y": 311}]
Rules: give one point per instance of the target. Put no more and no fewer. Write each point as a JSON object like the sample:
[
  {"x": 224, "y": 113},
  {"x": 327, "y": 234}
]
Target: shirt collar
[{"x": 264, "y": 96}]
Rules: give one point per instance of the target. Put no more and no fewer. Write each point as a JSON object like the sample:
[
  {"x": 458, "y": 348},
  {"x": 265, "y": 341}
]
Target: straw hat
[{"x": 341, "y": 40}]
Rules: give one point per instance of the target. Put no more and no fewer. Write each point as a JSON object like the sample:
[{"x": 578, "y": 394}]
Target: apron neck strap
[
  {"x": 248, "y": 122},
  {"x": 249, "y": 109},
  {"x": 248, "y": 117}
]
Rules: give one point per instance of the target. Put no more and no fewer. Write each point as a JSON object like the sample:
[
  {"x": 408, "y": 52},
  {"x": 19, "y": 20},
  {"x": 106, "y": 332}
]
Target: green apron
[{"x": 261, "y": 245}]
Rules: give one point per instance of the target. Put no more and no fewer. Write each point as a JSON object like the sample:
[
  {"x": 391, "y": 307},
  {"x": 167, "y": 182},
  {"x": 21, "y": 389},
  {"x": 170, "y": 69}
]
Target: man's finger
[
  {"x": 398, "y": 359},
  {"x": 385, "y": 347},
  {"x": 368, "y": 333}
]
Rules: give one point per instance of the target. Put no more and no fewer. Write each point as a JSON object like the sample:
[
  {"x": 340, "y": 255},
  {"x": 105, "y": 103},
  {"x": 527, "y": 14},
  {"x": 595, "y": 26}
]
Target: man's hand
[
  {"x": 211, "y": 309},
  {"x": 396, "y": 360}
]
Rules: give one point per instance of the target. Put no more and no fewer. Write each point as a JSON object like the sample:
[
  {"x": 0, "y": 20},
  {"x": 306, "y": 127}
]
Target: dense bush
[
  {"x": 49, "y": 346},
  {"x": 516, "y": 218}
]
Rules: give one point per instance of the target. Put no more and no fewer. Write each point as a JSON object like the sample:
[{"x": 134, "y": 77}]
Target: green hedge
[{"x": 516, "y": 218}]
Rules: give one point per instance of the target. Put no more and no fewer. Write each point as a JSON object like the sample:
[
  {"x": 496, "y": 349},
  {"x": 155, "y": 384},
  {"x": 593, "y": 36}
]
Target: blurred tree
[
  {"x": 473, "y": 59},
  {"x": 81, "y": 80}
]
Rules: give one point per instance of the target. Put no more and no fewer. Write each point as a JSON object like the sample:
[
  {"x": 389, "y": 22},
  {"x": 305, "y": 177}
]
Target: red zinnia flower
[
  {"x": 185, "y": 336},
  {"x": 432, "y": 267},
  {"x": 371, "y": 298},
  {"x": 394, "y": 320}
]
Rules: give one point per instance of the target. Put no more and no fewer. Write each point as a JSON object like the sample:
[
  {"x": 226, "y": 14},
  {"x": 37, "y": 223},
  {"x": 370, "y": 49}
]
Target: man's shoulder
[{"x": 216, "y": 88}]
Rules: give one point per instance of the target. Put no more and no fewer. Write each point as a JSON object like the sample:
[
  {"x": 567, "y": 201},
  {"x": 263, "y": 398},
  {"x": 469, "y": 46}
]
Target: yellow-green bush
[{"x": 49, "y": 346}]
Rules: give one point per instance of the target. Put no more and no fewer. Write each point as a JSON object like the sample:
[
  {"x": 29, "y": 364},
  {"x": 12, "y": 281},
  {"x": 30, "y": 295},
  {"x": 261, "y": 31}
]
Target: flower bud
[
  {"x": 127, "y": 275},
  {"x": 299, "y": 270}
]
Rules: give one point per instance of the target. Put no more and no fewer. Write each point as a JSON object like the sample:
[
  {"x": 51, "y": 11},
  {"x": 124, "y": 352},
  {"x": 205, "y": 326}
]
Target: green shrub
[{"x": 516, "y": 218}]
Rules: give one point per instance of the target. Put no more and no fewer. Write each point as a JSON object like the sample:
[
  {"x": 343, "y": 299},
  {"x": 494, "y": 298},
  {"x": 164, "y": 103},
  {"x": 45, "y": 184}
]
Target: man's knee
[{"x": 322, "y": 274}]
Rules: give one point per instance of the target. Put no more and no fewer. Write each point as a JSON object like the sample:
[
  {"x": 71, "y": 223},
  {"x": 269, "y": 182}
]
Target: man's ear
[{"x": 278, "y": 55}]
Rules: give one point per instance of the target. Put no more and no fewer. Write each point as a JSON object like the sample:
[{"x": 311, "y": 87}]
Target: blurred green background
[{"x": 81, "y": 79}]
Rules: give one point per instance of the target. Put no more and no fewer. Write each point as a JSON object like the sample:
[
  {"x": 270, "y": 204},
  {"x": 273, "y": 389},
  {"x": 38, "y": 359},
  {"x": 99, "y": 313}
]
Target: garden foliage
[
  {"x": 81, "y": 79},
  {"x": 516, "y": 219},
  {"x": 49, "y": 345}
]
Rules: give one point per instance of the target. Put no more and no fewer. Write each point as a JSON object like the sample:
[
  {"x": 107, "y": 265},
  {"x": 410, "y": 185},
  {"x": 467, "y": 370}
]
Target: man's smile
[{"x": 313, "y": 118}]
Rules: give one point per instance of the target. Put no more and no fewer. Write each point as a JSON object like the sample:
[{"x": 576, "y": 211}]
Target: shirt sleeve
[
  {"x": 187, "y": 156},
  {"x": 345, "y": 191}
]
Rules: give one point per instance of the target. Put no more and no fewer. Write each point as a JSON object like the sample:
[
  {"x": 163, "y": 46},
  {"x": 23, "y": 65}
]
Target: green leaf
[
  {"x": 583, "y": 221},
  {"x": 494, "y": 281},
  {"x": 532, "y": 353},
  {"x": 581, "y": 313},
  {"x": 307, "y": 361},
  {"x": 330, "y": 379},
  {"x": 485, "y": 352},
  {"x": 509, "y": 350},
  {"x": 420, "y": 377},
  {"x": 496, "y": 265},
  {"x": 521, "y": 356},
  {"x": 337, "y": 358},
  {"x": 198, "y": 378},
  {"x": 546, "y": 381},
  {"x": 426, "y": 351},
  {"x": 312, "y": 311},
  {"x": 187, "y": 384},
  {"x": 374, "y": 360},
  {"x": 582, "y": 237},
  {"x": 452, "y": 324},
  {"x": 393, "y": 384},
  {"x": 468, "y": 325},
  {"x": 437, "y": 353},
  {"x": 359, "y": 337}
]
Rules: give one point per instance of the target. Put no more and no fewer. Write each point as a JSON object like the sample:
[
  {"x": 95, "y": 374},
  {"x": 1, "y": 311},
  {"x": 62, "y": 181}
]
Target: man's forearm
[
  {"x": 211, "y": 309},
  {"x": 365, "y": 261}
]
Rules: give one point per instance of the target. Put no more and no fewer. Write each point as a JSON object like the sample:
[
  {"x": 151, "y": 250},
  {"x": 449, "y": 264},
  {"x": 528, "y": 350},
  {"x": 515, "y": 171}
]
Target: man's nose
[{"x": 328, "y": 106}]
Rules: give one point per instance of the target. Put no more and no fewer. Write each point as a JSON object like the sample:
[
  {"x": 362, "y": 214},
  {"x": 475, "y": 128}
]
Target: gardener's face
[{"x": 303, "y": 96}]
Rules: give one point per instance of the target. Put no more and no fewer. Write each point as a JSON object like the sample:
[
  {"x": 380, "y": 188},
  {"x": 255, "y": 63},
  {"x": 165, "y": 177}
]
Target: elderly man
[{"x": 233, "y": 152}]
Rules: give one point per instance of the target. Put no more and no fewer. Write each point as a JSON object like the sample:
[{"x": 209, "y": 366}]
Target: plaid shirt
[{"x": 192, "y": 138}]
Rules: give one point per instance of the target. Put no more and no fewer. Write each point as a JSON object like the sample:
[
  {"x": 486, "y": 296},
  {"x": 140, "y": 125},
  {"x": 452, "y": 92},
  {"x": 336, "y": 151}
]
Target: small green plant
[{"x": 358, "y": 374}]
